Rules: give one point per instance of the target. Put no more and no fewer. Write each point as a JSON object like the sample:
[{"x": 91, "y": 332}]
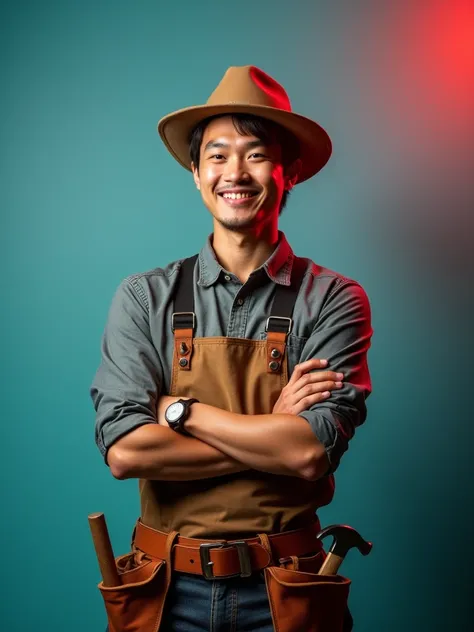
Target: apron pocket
[
  {"x": 137, "y": 603},
  {"x": 306, "y": 601}
]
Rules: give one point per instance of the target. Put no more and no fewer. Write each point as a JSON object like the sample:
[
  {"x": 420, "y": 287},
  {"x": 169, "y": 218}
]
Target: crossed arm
[{"x": 223, "y": 442}]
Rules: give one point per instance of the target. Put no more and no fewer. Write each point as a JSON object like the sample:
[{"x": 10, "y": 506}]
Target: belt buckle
[{"x": 242, "y": 551}]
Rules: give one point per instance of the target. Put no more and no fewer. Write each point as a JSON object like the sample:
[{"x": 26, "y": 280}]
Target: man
[{"x": 230, "y": 385}]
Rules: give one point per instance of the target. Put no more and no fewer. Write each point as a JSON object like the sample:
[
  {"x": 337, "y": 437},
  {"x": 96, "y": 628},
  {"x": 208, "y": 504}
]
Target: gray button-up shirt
[{"x": 331, "y": 320}]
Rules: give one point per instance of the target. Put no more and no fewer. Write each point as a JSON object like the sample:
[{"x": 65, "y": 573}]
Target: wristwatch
[{"x": 177, "y": 413}]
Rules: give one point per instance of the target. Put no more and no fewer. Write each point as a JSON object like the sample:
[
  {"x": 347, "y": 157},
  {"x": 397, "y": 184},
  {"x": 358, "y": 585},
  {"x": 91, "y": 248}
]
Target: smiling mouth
[
  {"x": 247, "y": 195},
  {"x": 239, "y": 200}
]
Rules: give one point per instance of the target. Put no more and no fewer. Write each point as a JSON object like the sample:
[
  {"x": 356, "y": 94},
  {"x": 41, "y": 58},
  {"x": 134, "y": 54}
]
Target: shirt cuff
[{"x": 325, "y": 429}]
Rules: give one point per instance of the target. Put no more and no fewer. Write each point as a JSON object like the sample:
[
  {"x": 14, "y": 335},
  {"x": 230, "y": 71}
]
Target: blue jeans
[{"x": 195, "y": 604}]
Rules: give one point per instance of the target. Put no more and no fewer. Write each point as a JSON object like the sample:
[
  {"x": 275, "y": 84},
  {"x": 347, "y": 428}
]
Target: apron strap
[
  {"x": 183, "y": 320},
  {"x": 280, "y": 322},
  {"x": 278, "y": 326}
]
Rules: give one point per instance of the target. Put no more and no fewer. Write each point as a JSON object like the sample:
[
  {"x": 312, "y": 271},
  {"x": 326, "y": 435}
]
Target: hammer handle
[
  {"x": 330, "y": 565},
  {"x": 103, "y": 549}
]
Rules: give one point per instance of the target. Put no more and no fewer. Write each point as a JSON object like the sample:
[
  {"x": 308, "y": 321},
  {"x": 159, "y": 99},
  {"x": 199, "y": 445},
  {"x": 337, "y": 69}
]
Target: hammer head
[{"x": 345, "y": 538}]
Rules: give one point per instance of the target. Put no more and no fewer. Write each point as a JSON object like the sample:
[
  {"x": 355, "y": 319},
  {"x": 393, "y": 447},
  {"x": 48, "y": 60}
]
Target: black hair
[{"x": 251, "y": 125}]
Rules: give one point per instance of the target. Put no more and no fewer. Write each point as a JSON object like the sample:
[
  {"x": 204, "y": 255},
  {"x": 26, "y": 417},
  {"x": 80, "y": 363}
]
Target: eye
[
  {"x": 216, "y": 157},
  {"x": 257, "y": 155}
]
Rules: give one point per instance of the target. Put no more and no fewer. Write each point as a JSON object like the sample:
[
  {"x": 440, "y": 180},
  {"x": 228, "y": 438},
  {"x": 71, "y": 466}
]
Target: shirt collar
[{"x": 277, "y": 267}]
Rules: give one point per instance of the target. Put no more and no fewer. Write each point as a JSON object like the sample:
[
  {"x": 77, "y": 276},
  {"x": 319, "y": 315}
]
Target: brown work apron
[{"x": 242, "y": 376}]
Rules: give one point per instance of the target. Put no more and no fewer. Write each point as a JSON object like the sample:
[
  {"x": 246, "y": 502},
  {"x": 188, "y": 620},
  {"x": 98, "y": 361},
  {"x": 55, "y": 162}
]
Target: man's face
[{"x": 241, "y": 179}]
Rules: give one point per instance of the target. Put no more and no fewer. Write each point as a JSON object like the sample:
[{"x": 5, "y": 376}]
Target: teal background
[{"x": 90, "y": 195}]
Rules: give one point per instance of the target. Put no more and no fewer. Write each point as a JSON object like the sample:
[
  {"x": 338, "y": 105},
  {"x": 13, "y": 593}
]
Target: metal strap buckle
[
  {"x": 182, "y": 314},
  {"x": 242, "y": 551},
  {"x": 290, "y": 322}
]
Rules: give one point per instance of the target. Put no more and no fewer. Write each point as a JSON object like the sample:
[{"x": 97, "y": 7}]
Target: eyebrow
[{"x": 250, "y": 145}]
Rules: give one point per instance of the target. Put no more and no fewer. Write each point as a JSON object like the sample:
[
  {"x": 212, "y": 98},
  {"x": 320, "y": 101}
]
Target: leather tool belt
[
  {"x": 300, "y": 599},
  {"x": 219, "y": 559}
]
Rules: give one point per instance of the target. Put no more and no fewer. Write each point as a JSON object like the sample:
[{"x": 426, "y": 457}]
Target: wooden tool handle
[
  {"x": 103, "y": 549},
  {"x": 330, "y": 565}
]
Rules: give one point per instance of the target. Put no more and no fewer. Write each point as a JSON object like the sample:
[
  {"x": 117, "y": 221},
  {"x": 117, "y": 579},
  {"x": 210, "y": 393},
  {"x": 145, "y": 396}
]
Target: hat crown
[{"x": 248, "y": 85}]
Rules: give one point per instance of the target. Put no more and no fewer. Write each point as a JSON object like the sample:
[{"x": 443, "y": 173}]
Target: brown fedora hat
[{"x": 249, "y": 90}]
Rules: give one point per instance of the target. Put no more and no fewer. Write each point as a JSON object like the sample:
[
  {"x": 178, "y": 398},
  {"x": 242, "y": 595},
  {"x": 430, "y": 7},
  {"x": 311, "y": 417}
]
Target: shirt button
[
  {"x": 240, "y": 301},
  {"x": 227, "y": 277}
]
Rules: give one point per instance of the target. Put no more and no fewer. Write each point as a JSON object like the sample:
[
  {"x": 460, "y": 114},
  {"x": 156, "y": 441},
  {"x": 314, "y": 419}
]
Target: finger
[
  {"x": 308, "y": 365},
  {"x": 318, "y": 387},
  {"x": 310, "y": 400},
  {"x": 317, "y": 376}
]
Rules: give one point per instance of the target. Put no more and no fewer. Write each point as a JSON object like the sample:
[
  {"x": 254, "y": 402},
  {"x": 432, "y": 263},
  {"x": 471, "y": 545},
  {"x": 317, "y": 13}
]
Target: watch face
[{"x": 174, "y": 411}]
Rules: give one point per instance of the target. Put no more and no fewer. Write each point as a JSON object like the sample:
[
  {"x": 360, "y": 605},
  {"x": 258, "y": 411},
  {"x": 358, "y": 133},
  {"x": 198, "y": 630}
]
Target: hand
[{"x": 307, "y": 387}]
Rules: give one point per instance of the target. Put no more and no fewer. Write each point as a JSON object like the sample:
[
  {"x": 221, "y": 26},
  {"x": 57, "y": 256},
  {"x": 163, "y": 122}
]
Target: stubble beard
[{"x": 236, "y": 224}]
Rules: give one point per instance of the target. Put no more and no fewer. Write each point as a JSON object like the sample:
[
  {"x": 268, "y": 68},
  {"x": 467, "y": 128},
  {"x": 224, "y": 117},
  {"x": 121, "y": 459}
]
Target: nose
[{"x": 235, "y": 171}]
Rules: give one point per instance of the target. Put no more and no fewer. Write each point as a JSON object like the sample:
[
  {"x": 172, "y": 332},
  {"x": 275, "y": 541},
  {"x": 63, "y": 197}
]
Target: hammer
[{"x": 345, "y": 538}]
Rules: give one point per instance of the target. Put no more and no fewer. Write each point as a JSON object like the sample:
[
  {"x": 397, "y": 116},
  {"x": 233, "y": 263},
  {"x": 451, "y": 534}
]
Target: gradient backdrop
[{"x": 89, "y": 195}]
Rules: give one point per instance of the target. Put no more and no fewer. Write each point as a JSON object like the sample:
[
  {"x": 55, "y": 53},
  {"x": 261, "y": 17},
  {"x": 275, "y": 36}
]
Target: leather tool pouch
[
  {"x": 138, "y": 602},
  {"x": 300, "y": 599}
]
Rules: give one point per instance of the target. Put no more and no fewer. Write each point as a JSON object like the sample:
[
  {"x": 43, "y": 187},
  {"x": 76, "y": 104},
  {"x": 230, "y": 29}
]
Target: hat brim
[{"x": 315, "y": 144}]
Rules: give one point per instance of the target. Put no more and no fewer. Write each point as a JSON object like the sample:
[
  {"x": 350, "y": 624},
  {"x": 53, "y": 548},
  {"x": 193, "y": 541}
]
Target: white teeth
[{"x": 237, "y": 196}]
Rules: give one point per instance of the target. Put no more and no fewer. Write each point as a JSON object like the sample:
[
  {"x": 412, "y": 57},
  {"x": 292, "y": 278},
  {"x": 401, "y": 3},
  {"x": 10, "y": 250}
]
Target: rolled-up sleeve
[
  {"x": 342, "y": 335},
  {"x": 127, "y": 384}
]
